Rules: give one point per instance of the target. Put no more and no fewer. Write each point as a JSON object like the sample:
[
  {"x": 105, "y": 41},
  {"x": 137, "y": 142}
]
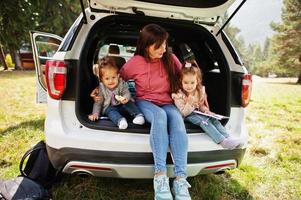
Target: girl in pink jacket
[{"x": 192, "y": 96}]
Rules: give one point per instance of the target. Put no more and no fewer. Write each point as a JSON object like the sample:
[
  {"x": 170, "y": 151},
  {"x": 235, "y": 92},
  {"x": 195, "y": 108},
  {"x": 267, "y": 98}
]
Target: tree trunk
[
  {"x": 18, "y": 64},
  {"x": 2, "y": 58},
  {"x": 16, "y": 58},
  {"x": 299, "y": 79}
]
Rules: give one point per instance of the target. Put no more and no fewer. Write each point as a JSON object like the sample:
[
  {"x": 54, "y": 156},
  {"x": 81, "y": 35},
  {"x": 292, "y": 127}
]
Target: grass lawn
[{"x": 270, "y": 169}]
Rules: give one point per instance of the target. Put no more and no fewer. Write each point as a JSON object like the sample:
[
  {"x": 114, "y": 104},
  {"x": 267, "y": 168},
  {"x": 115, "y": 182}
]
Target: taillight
[
  {"x": 246, "y": 89},
  {"x": 221, "y": 166},
  {"x": 56, "y": 76}
]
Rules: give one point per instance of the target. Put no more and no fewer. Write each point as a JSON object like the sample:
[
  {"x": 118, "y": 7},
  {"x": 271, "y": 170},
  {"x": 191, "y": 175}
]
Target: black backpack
[
  {"x": 38, "y": 166},
  {"x": 37, "y": 176}
]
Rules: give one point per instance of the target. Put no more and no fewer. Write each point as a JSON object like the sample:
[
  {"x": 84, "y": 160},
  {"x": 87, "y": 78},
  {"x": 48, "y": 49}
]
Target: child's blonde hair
[
  {"x": 193, "y": 69},
  {"x": 107, "y": 62}
]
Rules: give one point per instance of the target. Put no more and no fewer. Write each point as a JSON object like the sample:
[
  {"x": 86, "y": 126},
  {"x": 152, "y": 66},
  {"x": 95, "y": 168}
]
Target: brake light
[
  {"x": 91, "y": 168},
  {"x": 56, "y": 76},
  {"x": 246, "y": 89}
]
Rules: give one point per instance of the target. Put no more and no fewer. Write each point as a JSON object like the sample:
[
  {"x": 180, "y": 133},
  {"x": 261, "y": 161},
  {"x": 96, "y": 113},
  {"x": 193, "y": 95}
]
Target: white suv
[{"x": 65, "y": 79}]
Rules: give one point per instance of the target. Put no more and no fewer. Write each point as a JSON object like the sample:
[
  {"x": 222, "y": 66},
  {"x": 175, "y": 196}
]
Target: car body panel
[
  {"x": 40, "y": 59},
  {"x": 76, "y": 147},
  {"x": 63, "y": 129},
  {"x": 159, "y": 9}
]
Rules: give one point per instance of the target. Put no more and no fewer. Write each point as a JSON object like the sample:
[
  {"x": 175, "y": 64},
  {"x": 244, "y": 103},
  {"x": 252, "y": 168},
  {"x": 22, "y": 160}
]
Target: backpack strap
[{"x": 38, "y": 146}]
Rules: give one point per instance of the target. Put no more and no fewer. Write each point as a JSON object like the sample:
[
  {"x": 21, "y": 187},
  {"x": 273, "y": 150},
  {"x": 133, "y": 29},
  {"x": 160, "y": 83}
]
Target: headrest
[{"x": 114, "y": 49}]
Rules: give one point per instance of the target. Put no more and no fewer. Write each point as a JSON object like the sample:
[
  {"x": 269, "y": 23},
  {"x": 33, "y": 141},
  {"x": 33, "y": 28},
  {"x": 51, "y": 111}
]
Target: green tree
[
  {"x": 18, "y": 17},
  {"x": 233, "y": 32},
  {"x": 257, "y": 53},
  {"x": 247, "y": 54},
  {"x": 286, "y": 43},
  {"x": 254, "y": 54},
  {"x": 15, "y": 21},
  {"x": 250, "y": 55},
  {"x": 266, "y": 48},
  {"x": 2, "y": 58},
  {"x": 266, "y": 63},
  {"x": 55, "y": 16}
]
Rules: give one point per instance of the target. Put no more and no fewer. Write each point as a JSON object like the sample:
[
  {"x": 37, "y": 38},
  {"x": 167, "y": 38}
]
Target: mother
[{"x": 155, "y": 71}]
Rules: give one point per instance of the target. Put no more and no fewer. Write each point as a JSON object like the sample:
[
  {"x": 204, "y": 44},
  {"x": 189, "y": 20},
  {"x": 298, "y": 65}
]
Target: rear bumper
[{"x": 138, "y": 164}]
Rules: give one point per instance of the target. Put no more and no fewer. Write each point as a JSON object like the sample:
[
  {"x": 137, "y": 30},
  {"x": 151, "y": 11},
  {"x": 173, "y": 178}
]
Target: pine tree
[
  {"x": 237, "y": 41},
  {"x": 266, "y": 48},
  {"x": 286, "y": 43}
]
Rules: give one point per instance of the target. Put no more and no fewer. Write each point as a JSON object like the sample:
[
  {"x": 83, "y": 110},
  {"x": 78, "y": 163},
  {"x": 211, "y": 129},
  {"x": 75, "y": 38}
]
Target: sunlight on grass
[
  {"x": 21, "y": 120},
  {"x": 270, "y": 168},
  {"x": 274, "y": 120}
]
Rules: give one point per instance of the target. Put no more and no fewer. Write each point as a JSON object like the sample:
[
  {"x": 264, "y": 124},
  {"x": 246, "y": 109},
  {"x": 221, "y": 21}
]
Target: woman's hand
[
  {"x": 93, "y": 117},
  {"x": 94, "y": 94}
]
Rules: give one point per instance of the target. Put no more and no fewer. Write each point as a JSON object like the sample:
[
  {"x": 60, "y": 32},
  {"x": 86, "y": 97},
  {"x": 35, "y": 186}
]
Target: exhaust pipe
[{"x": 82, "y": 173}]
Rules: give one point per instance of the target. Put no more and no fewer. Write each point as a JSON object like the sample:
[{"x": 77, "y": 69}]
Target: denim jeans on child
[
  {"x": 113, "y": 112},
  {"x": 167, "y": 129},
  {"x": 211, "y": 126}
]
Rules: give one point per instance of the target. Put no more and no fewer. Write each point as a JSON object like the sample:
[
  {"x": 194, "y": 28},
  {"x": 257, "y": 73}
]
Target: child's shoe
[
  {"x": 180, "y": 188},
  {"x": 139, "y": 119},
  {"x": 161, "y": 187},
  {"x": 231, "y": 143},
  {"x": 122, "y": 124}
]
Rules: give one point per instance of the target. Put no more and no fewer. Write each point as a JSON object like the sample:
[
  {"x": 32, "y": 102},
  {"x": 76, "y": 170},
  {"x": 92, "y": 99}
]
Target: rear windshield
[
  {"x": 232, "y": 50},
  {"x": 125, "y": 51}
]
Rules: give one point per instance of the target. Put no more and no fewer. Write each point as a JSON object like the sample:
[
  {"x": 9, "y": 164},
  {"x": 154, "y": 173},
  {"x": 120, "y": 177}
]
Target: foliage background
[
  {"x": 280, "y": 54},
  {"x": 18, "y": 17}
]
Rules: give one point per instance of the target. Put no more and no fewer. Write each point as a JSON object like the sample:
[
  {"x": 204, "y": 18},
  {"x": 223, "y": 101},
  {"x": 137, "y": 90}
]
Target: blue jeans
[
  {"x": 113, "y": 112},
  {"x": 211, "y": 126},
  {"x": 167, "y": 129}
]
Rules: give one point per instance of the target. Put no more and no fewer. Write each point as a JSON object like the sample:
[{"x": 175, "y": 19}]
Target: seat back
[{"x": 114, "y": 52}]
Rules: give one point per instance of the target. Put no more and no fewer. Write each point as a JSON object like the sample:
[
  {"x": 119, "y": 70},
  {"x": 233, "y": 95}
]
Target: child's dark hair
[
  {"x": 191, "y": 68},
  {"x": 107, "y": 62}
]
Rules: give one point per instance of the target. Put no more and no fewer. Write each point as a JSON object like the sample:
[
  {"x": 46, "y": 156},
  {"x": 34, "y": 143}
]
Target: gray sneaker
[
  {"x": 180, "y": 188},
  {"x": 231, "y": 143},
  {"x": 161, "y": 187}
]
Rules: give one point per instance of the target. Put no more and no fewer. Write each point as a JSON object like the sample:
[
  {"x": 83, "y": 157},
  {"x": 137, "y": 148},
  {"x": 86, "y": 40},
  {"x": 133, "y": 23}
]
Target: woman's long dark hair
[{"x": 155, "y": 34}]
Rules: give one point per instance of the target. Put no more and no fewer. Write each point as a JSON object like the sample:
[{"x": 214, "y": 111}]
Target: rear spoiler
[{"x": 228, "y": 20}]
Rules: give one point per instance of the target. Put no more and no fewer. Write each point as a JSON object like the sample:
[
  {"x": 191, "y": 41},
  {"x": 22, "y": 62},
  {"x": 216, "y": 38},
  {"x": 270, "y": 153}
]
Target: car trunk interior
[{"x": 186, "y": 39}]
